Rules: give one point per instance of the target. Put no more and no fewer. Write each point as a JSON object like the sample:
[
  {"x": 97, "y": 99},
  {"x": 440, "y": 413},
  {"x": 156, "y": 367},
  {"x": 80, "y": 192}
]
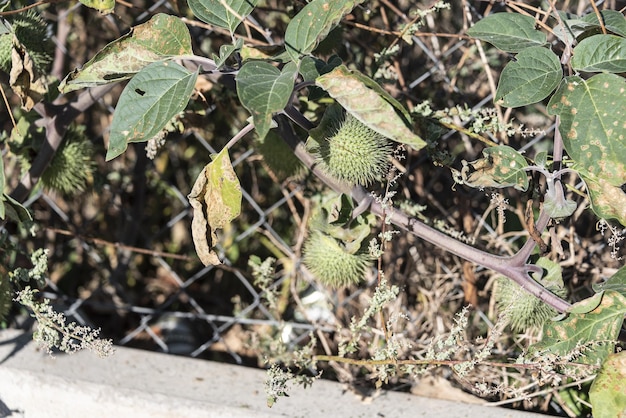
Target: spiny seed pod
[
  {"x": 331, "y": 263},
  {"x": 279, "y": 158},
  {"x": 355, "y": 154},
  {"x": 522, "y": 309},
  {"x": 6, "y": 46},
  {"x": 32, "y": 33},
  {"x": 71, "y": 166}
]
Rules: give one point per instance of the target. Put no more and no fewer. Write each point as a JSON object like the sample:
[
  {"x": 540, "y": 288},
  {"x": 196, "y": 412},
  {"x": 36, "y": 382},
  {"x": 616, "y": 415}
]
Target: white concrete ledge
[{"x": 135, "y": 383}]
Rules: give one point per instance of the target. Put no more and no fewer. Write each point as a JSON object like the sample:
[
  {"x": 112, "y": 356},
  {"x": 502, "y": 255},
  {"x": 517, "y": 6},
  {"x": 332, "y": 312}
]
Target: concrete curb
[{"x": 135, "y": 383}]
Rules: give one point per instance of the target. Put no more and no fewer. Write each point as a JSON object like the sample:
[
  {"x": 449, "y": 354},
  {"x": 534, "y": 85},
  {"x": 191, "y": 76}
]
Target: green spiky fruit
[
  {"x": 31, "y": 33},
  {"x": 71, "y": 166},
  {"x": 354, "y": 154},
  {"x": 523, "y": 310},
  {"x": 6, "y": 46},
  {"x": 331, "y": 262},
  {"x": 279, "y": 158}
]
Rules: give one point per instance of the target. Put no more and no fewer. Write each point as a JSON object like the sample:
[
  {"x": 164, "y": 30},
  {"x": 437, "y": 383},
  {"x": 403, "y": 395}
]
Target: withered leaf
[
  {"x": 25, "y": 80},
  {"x": 216, "y": 201}
]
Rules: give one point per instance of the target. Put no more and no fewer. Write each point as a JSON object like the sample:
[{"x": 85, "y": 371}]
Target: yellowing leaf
[
  {"x": 593, "y": 128},
  {"x": 161, "y": 37},
  {"x": 608, "y": 392},
  {"x": 103, "y": 6},
  {"x": 370, "y": 104},
  {"x": 595, "y": 330},
  {"x": 216, "y": 201}
]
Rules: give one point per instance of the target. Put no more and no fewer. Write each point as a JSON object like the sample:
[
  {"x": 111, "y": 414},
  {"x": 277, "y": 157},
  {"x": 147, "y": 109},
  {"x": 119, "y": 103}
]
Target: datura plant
[{"x": 346, "y": 128}]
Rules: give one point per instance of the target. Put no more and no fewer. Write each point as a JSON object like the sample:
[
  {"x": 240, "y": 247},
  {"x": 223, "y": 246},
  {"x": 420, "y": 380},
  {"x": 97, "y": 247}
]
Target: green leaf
[
  {"x": 161, "y": 37},
  {"x": 600, "y": 53},
  {"x": 313, "y": 23},
  {"x": 586, "y": 305},
  {"x": 502, "y": 166},
  {"x": 150, "y": 100},
  {"x": 226, "y": 51},
  {"x": 613, "y": 21},
  {"x": 616, "y": 282},
  {"x": 509, "y": 32},
  {"x": 227, "y": 14},
  {"x": 593, "y": 129},
  {"x": 216, "y": 201},
  {"x": 370, "y": 104},
  {"x": 13, "y": 209},
  {"x": 595, "y": 331},
  {"x": 608, "y": 392},
  {"x": 263, "y": 89},
  {"x": 103, "y": 6},
  {"x": 533, "y": 75},
  {"x": 311, "y": 67}
]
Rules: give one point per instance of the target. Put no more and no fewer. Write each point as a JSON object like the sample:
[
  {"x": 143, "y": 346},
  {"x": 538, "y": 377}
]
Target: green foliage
[
  {"x": 220, "y": 13},
  {"x": 313, "y": 23},
  {"x": 592, "y": 125},
  {"x": 150, "y": 100},
  {"x": 608, "y": 393},
  {"x": 588, "y": 334},
  {"x": 533, "y": 75},
  {"x": 264, "y": 89},
  {"x": 509, "y": 32},
  {"x": 158, "y": 39},
  {"x": 600, "y": 53}
]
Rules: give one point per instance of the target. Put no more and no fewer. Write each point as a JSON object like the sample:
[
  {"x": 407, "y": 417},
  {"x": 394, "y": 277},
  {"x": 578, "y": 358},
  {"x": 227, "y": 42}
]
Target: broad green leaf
[
  {"x": 509, "y": 32},
  {"x": 596, "y": 331},
  {"x": 103, "y": 6},
  {"x": 311, "y": 25},
  {"x": 150, "y": 100},
  {"x": 502, "y": 166},
  {"x": 600, "y": 53},
  {"x": 227, "y": 14},
  {"x": 216, "y": 201},
  {"x": 161, "y": 37},
  {"x": 264, "y": 90},
  {"x": 608, "y": 392},
  {"x": 370, "y": 104},
  {"x": 613, "y": 21},
  {"x": 533, "y": 75},
  {"x": 593, "y": 128}
]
